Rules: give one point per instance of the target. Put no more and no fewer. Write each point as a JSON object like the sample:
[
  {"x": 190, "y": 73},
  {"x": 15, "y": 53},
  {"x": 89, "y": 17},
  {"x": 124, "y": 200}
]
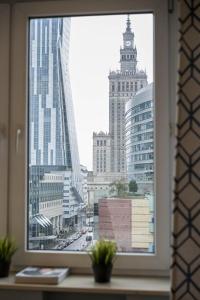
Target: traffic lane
[{"x": 79, "y": 244}]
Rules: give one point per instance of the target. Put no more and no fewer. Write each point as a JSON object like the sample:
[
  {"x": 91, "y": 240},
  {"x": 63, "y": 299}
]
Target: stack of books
[{"x": 41, "y": 275}]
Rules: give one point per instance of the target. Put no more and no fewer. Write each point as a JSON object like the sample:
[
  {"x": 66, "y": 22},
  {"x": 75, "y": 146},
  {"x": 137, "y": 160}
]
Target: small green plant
[
  {"x": 7, "y": 249},
  {"x": 103, "y": 252}
]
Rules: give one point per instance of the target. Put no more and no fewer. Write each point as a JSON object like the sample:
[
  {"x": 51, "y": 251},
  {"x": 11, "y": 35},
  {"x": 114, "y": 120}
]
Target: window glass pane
[{"x": 91, "y": 132}]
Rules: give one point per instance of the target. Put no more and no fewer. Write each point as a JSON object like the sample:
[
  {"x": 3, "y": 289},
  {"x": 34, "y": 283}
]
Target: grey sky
[{"x": 94, "y": 50}]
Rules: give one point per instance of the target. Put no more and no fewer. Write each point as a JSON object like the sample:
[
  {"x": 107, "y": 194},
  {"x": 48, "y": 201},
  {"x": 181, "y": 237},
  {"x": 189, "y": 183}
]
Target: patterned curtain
[{"x": 186, "y": 231}]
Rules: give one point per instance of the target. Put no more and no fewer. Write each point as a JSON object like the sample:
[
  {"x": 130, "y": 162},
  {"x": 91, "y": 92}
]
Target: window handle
[{"x": 18, "y": 134}]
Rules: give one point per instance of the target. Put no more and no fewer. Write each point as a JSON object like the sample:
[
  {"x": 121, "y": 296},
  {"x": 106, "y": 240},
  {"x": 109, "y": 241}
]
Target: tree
[
  {"x": 133, "y": 186},
  {"x": 119, "y": 187}
]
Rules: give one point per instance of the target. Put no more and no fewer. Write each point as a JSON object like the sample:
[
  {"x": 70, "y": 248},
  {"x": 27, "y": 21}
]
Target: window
[
  {"x": 118, "y": 87},
  {"x": 136, "y": 86},
  {"x": 131, "y": 86},
  {"x": 18, "y": 182}
]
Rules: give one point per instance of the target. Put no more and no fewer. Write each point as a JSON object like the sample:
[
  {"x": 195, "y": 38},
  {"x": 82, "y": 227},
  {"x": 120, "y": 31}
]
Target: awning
[{"x": 41, "y": 220}]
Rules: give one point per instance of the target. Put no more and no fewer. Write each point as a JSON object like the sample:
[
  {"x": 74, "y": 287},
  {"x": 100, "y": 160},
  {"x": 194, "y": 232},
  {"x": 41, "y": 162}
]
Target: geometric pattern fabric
[{"x": 186, "y": 227}]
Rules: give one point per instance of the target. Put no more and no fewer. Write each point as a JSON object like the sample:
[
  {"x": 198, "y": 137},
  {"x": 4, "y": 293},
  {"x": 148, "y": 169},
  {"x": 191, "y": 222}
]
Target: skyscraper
[
  {"x": 101, "y": 153},
  {"x": 123, "y": 84},
  {"x": 51, "y": 126},
  {"x": 52, "y": 135},
  {"x": 139, "y": 118}
]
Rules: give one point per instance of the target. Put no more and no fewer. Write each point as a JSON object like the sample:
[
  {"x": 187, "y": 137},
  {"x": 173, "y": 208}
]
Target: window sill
[{"x": 153, "y": 286}]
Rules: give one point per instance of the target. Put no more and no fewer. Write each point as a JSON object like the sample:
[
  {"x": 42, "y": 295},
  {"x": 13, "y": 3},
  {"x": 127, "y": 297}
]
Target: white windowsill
[{"x": 85, "y": 284}]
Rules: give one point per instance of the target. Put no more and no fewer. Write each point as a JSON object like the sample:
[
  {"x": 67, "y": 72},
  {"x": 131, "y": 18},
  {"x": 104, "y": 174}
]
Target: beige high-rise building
[
  {"x": 101, "y": 153},
  {"x": 123, "y": 84},
  {"x": 109, "y": 149}
]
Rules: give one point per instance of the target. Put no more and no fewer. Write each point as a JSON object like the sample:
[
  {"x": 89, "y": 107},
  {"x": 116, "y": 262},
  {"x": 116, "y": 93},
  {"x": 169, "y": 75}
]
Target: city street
[{"x": 79, "y": 244}]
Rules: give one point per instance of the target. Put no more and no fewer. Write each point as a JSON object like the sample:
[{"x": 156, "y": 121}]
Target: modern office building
[
  {"x": 51, "y": 206},
  {"x": 123, "y": 84},
  {"x": 45, "y": 206},
  {"x": 139, "y": 120},
  {"x": 52, "y": 134}
]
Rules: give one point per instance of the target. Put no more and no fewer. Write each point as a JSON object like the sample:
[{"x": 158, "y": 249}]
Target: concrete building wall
[
  {"x": 101, "y": 153},
  {"x": 115, "y": 221},
  {"x": 142, "y": 229}
]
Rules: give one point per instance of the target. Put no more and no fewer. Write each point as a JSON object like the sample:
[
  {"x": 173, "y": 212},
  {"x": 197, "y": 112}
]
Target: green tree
[
  {"x": 119, "y": 188},
  {"x": 132, "y": 186}
]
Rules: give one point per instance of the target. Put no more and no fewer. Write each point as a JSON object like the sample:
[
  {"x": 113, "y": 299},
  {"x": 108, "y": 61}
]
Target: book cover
[{"x": 41, "y": 275}]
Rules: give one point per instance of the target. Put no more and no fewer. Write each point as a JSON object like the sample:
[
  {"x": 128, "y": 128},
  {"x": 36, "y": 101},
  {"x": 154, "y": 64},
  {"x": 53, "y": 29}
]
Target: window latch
[{"x": 18, "y": 134}]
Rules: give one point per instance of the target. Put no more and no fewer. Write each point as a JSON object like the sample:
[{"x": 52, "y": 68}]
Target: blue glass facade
[
  {"x": 52, "y": 136},
  {"x": 139, "y": 124}
]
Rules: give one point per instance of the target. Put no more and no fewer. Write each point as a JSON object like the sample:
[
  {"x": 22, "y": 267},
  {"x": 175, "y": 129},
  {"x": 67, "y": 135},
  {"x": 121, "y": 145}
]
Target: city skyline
[
  {"x": 93, "y": 91},
  {"x": 63, "y": 197}
]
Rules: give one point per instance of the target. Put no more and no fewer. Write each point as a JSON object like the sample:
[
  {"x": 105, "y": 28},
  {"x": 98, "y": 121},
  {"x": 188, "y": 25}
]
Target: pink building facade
[{"x": 128, "y": 222}]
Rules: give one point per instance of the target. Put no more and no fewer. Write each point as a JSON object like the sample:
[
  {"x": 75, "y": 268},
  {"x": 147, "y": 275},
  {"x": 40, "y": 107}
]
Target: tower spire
[
  {"x": 128, "y": 54},
  {"x": 128, "y": 24}
]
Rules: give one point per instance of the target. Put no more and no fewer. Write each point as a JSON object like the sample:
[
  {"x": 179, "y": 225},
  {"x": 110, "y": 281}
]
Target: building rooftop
[
  {"x": 143, "y": 95},
  {"x": 101, "y": 133}
]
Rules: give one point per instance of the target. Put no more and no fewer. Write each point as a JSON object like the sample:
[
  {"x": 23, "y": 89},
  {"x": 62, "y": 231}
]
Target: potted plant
[
  {"x": 102, "y": 255},
  {"x": 7, "y": 249}
]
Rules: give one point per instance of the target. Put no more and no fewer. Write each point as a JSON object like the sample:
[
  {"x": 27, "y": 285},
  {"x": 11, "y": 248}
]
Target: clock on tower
[{"x": 128, "y": 43}]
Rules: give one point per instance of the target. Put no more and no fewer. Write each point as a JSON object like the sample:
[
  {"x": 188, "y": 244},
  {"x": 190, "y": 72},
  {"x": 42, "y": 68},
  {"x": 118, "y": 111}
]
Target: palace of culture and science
[{"x": 109, "y": 149}]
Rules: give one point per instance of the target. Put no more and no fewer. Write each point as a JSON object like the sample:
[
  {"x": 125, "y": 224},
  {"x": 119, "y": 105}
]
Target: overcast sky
[{"x": 94, "y": 51}]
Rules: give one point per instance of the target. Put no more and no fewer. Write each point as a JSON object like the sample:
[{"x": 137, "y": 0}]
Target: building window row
[
  {"x": 140, "y": 107},
  {"x": 101, "y": 142},
  {"x": 139, "y": 127},
  {"x": 127, "y": 57},
  {"x": 141, "y": 157},
  {"x": 142, "y": 137},
  {"x": 123, "y": 86},
  {"x": 142, "y": 117}
]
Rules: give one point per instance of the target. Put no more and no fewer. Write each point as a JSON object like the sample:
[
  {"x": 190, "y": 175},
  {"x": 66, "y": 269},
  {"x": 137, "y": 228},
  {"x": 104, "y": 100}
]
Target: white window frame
[
  {"x": 125, "y": 263},
  {"x": 4, "y": 100}
]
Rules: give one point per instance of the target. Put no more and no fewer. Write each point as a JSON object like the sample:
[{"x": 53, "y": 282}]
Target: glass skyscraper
[
  {"x": 52, "y": 135},
  {"x": 139, "y": 122}
]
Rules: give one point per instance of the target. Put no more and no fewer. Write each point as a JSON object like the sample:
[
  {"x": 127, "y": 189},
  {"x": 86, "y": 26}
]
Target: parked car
[
  {"x": 60, "y": 247},
  {"x": 67, "y": 243},
  {"x": 88, "y": 238}
]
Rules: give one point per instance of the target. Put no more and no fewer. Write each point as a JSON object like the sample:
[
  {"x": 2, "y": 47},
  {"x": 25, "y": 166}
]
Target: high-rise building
[
  {"x": 45, "y": 206},
  {"x": 139, "y": 119},
  {"x": 123, "y": 84},
  {"x": 101, "y": 153},
  {"x": 52, "y": 134}
]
